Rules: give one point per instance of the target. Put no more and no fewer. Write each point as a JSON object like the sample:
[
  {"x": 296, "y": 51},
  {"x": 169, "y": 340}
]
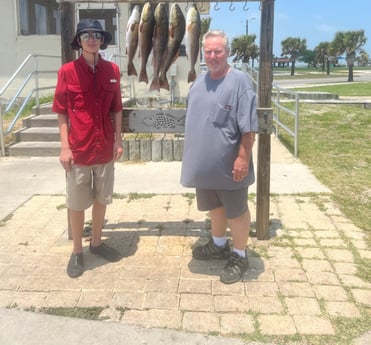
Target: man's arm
[
  {"x": 117, "y": 123},
  {"x": 241, "y": 163},
  {"x": 65, "y": 156}
]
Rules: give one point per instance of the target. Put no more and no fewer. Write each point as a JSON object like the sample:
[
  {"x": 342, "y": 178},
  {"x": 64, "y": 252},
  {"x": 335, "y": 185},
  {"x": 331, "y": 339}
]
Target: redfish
[
  {"x": 146, "y": 27},
  {"x": 192, "y": 38},
  {"x": 132, "y": 38},
  {"x": 176, "y": 34},
  {"x": 160, "y": 36}
]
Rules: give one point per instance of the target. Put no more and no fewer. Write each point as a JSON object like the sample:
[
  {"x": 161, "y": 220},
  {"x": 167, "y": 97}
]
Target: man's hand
[
  {"x": 66, "y": 159},
  {"x": 240, "y": 169},
  {"x": 117, "y": 150}
]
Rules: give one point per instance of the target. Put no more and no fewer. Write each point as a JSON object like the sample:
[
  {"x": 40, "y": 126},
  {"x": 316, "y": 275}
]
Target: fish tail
[
  {"x": 131, "y": 69},
  {"x": 191, "y": 75},
  {"x": 155, "y": 85},
  {"x": 164, "y": 84},
  {"x": 143, "y": 76}
]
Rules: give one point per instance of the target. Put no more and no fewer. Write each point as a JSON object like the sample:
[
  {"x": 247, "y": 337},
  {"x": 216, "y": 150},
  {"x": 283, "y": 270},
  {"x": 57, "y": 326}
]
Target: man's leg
[
  {"x": 240, "y": 229},
  {"x": 96, "y": 245},
  {"x": 218, "y": 222},
  {"x": 75, "y": 266},
  {"x": 238, "y": 263},
  {"x": 77, "y": 219},
  {"x": 98, "y": 214},
  {"x": 218, "y": 246}
]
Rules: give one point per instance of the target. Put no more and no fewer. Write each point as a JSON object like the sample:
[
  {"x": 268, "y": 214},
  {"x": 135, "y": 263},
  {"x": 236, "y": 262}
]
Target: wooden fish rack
[{"x": 264, "y": 92}]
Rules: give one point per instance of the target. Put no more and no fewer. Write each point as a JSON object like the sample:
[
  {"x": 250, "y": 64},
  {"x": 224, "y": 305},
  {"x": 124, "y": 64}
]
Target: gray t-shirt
[{"x": 219, "y": 112}]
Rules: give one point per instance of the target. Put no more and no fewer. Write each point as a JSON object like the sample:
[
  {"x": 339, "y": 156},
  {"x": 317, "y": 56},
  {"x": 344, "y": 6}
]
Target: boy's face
[{"x": 91, "y": 41}]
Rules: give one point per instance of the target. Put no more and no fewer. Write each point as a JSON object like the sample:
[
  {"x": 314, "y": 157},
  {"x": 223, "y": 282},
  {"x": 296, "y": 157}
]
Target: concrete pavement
[
  {"x": 299, "y": 282},
  {"x": 21, "y": 178}
]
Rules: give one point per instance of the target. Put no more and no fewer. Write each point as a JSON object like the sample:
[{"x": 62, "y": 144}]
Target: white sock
[
  {"x": 219, "y": 241},
  {"x": 241, "y": 253}
]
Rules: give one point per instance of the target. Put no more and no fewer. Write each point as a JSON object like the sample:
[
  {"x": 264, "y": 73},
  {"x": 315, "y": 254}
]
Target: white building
[{"x": 33, "y": 27}]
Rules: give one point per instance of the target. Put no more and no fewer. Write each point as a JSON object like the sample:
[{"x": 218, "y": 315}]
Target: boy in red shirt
[{"x": 88, "y": 102}]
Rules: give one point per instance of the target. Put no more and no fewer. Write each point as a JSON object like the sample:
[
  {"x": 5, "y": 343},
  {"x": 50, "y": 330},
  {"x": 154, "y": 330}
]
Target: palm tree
[
  {"x": 350, "y": 43},
  {"x": 324, "y": 54},
  {"x": 205, "y": 25},
  {"x": 363, "y": 58},
  {"x": 243, "y": 49},
  {"x": 293, "y": 48}
]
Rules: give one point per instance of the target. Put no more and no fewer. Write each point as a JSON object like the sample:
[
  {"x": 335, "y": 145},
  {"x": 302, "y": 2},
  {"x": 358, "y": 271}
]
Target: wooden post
[
  {"x": 67, "y": 35},
  {"x": 67, "y": 10},
  {"x": 264, "y": 101}
]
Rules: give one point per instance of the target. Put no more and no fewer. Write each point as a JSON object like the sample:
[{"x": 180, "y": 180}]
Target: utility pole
[{"x": 247, "y": 25}]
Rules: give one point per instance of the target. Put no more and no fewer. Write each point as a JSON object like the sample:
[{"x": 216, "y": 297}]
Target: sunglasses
[{"x": 94, "y": 35}]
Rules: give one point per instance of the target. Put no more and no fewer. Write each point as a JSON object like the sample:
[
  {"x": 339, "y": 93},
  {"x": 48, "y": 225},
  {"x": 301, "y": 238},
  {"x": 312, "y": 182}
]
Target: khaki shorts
[
  {"x": 233, "y": 201},
  {"x": 87, "y": 184}
]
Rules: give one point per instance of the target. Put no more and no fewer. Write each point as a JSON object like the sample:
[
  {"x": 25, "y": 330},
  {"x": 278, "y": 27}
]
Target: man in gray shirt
[{"x": 220, "y": 128}]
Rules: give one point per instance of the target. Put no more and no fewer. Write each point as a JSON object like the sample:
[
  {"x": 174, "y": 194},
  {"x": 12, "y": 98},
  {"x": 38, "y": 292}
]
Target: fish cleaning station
[{"x": 156, "y": 84}]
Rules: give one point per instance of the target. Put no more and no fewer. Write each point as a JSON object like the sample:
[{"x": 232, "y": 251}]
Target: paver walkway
[{"x": 298, "y": 283}]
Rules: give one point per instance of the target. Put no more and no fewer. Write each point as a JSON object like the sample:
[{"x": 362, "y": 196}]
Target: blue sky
[{"x": 314, "y": 20}]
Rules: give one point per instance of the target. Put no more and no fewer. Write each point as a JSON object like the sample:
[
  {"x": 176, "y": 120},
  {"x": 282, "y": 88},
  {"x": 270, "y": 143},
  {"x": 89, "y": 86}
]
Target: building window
[{"x": 39, "y": 17}]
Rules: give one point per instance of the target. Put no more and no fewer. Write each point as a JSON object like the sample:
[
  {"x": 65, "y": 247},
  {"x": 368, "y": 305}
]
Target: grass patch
[
  {"x": 91, "y": 313},
  {"x": 137, "y": 196},
  {"x": 358, "y": 89},
  {"x": 190, "y": 197}
]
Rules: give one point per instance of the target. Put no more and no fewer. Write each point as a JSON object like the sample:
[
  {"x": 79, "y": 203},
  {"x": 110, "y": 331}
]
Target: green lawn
[{"x": 362, "y": 89}]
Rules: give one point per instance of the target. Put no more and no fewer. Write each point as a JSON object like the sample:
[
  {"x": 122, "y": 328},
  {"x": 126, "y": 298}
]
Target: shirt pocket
[
  {"x": 109, "y": 90},
  {"x": 221, "y": 115},
  {"x": 77, "y": 97}
]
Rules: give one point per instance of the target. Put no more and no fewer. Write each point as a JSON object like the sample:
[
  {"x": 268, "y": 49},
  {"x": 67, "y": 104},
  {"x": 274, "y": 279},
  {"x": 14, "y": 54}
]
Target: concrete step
[
  {"x": 35, "y": 148},
  {"x": 38, "y": 134},
  {"x": 45, "y": 108},
  {"x": 44, "y": 120}
]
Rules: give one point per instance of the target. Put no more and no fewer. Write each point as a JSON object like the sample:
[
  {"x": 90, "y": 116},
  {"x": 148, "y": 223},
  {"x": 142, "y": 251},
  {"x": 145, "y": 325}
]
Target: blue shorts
[{"x": 233, "y": 201}]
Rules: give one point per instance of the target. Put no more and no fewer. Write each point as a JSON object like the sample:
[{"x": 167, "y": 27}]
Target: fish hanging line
[{"x": 231, "y": 6}]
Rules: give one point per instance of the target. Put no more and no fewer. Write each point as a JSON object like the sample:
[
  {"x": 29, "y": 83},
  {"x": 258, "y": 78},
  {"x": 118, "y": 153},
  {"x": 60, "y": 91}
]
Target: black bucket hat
[{"x": 90, "y": 25}]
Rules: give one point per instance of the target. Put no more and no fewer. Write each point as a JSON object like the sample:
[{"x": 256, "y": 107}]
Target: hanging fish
[
  {"x": 160, "y": 36},
  {"x": 176, "y": 34},
  {"x": 132, "y": 38},
  {"x": 192, "y": 37},
  {"x": 146, "y": 26}
]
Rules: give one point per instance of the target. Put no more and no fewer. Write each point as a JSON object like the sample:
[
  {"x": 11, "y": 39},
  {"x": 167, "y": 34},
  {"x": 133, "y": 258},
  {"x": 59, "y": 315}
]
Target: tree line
[{"x": 347, "y": 43}]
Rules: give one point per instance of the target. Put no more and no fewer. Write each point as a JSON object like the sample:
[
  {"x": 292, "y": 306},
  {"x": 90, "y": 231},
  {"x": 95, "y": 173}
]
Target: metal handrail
[
  {"x": 9, "y": 105},
  {"x": 277, "y": 101}
]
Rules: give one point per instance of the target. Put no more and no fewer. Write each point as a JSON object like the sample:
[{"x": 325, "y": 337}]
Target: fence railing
[
  {"x": 252, "y": 73},
  {"x": 281, "y": 98},
  {"x": 25, "y": 92}
]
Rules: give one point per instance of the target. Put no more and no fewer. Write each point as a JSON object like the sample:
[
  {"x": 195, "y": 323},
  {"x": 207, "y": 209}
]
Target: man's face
[{"x": 215, "y": 54}]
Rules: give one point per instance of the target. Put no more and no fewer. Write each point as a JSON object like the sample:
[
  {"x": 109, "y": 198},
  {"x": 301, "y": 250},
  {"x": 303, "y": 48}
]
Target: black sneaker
[
  {"x": 211, "y": 251},
  {"x": 234, "y": 269},
  {"x": 105, "y": 252},
  {"x": 75, "y": 267}
]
